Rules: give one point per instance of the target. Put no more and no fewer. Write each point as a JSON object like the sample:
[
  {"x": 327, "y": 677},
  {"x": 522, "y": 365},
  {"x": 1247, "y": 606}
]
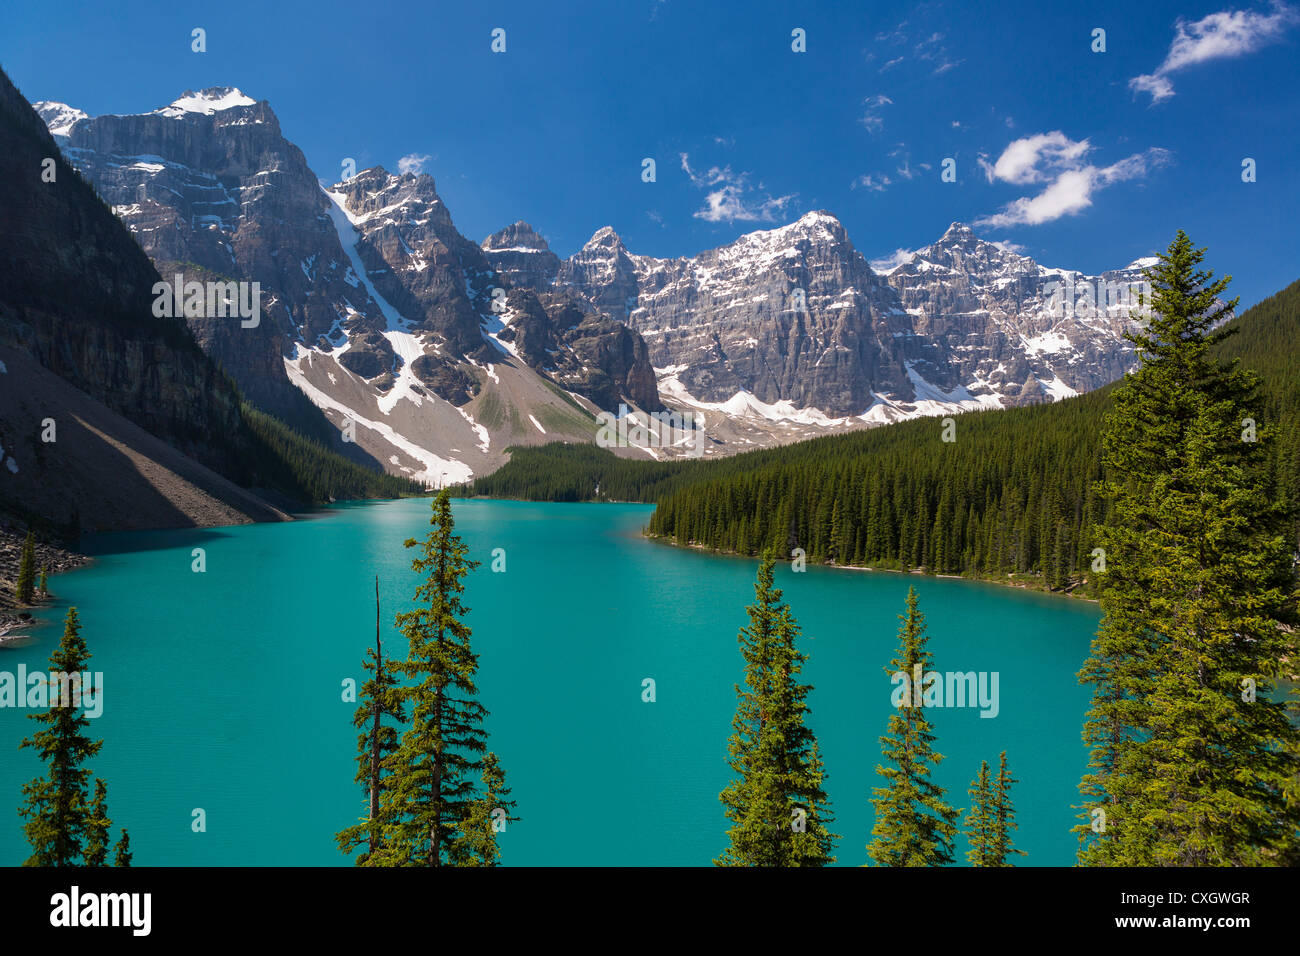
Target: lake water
[{"x": 223, "y": 689}]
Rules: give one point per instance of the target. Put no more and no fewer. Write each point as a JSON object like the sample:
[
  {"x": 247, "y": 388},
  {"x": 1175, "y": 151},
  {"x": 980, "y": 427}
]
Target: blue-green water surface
[{"x": 223, "y": 689}]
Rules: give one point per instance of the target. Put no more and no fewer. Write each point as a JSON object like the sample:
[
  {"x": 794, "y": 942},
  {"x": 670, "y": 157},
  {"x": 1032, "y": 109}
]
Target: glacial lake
[{"x": 223, "y": 690}]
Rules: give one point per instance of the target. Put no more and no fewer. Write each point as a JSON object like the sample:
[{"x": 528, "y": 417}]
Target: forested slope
[{"x": 1013, "y": 494}]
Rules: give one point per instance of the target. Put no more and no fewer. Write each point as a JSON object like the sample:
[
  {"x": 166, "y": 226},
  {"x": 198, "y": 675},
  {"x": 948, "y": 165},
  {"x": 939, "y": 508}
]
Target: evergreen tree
[
  {"x": 777, "y": 806},
  {"x": 476, "y": 843},
  {"x": 97, "y": 827},
  {"x": 122, "y": 855},
  {"x": 26, "y": 571},
  {"x": 1193, "y": 761},
  {"x": 914, "y": 824},
  {"x": 981, "y": 820},
  {"x": 1004, "y": 816},
  {"x": 431, "y": 789},
  {"x": 55, "y": 809},
  {"x": 44, "y": 582},
  {"x": 377, "y": 740}
]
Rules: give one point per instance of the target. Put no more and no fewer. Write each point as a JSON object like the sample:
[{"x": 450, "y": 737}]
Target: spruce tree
[
  {"x": 914, "y": 825},
  {"x": 23, "y": 591},
  {"x": 97, "y": 827},
  {"x": 377, "y": 740},
  {"x": 1193, "y": 760},
  {"x": 432, "y": 787},
  {"x": 981, "y": 819},
  {"x": 122, "y": 855},
  {"x": 777, "y": 806},
  {"x": 56, "y": 808},
  {"x": 1004, "y": 816},
  {"x": 476, "y": 843}
]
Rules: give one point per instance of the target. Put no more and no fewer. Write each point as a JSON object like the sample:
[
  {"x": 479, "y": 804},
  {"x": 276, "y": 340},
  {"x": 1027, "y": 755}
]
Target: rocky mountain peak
[
  {"x": 817, "y": 221},
  {"x": 59, "y": 117},
  {"x": 519, "y": 236},
  {"x": 605, "y": 239}
]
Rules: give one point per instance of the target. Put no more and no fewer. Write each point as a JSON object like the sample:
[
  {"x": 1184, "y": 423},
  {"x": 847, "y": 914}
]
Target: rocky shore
[{"x": 52, "y": 555}]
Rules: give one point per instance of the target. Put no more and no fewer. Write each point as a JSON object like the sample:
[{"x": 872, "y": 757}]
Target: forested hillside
[
  {"x": 303, "y": 468},
  {"x": 1012, "y": 494}
]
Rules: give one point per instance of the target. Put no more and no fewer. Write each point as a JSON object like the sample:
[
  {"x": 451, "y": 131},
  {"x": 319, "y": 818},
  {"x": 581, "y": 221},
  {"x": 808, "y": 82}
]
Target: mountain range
[{"x": 383, "y": 324}]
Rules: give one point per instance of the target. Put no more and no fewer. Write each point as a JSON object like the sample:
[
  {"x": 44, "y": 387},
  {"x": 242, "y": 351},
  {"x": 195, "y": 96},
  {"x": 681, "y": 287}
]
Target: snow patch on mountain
[
  {"x": 59, "y": 117},
  {"x": 434, "y": 465},
  {"x": 207, "y": 102}
]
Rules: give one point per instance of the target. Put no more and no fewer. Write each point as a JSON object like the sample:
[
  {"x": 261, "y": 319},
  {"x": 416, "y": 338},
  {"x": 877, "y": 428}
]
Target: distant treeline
[
  {"x": 306, "y": 470},
  {"x": 1012, "y": 494}
]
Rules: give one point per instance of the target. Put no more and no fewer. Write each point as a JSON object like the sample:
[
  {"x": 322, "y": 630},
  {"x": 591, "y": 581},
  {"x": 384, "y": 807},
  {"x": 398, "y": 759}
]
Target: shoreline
[{"x": 982, "y": 579}]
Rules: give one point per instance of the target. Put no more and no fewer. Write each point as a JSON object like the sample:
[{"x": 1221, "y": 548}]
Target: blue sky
[{"x": 1086, "y": 160}]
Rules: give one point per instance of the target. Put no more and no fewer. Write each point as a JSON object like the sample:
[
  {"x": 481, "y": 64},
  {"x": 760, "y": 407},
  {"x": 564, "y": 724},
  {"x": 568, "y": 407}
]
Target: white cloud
[
  {"x": 1019, "y": 162},
  {"x": 1055, "y": 159},
  {"x": 1013, "y": 247},
  {"x": 1218, "y": 36},
  {"x": 892, "y": 261},
  {"x": 412, "y": 163},
  {"x": 731, "y": 198},
  {"x": 891, "y": 64},
  {"x": 871, "y": 181},
  {"x": 872, "y": 106}
]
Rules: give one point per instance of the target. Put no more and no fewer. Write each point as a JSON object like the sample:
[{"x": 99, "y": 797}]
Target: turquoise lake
[{"x": 223, "y": 690}]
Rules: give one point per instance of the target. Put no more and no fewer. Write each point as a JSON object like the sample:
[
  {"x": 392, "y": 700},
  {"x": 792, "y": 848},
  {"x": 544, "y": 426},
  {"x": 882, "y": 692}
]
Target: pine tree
[
  {"x": 476, "y": 843},
  {"x": 431, "y": 789},
  {"x": 1193, "y": 761},
  {"x": 981, "y": 820},
  {"x": 378, "y": 700},
  {"x": 914, "y": 825},
  {"x": 55, "y": 809},
  {"x": 777, "y": 806},
  {"x": 122, "y": 855},
  {"x": 44, "y": 582},
  {"x": 26, "y": 571},
  {"x": 1004, "y": 816},
  {"x": 97, "y": 827}
]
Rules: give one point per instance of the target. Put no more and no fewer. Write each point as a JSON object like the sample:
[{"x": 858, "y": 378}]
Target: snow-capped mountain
[
  {"x": 792, "y": 325},
  {"x": 435, "y": 353},
  {"x": 373, "y": 306}
]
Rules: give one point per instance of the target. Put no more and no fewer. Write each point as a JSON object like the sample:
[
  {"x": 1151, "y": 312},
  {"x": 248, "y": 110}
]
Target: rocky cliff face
[
  {"x": 103, "y": 395},
  {"x": 1007, "y": 326},
  {"x": 75, "y": 294},
  {"x": 210, "y": 182},
  {"x": 376, "y": 311},
  {"x": 521, "y": 256},
  {"x": 792, "y": 324}
]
